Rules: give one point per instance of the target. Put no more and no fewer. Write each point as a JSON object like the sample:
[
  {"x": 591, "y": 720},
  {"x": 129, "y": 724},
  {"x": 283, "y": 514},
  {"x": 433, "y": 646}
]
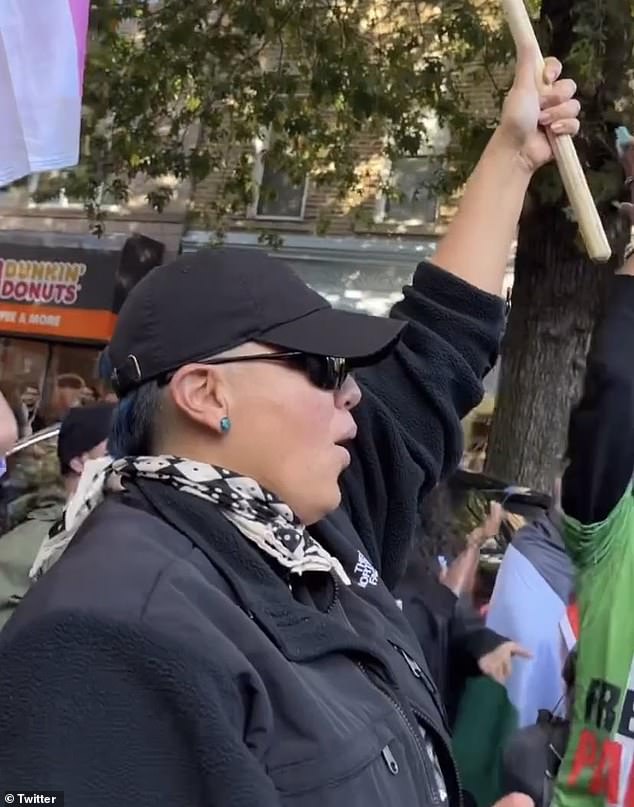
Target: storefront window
[
  {"x": 72, "y": 379},
  {"x": 42, "y": 381},
  {"x": 23, "y": 364},
  {"x": 23, "y": 359}
]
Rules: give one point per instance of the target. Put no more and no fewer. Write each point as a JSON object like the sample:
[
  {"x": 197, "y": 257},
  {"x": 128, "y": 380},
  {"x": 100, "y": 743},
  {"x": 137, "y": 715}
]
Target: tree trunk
[{"x": 557, "y": 295}]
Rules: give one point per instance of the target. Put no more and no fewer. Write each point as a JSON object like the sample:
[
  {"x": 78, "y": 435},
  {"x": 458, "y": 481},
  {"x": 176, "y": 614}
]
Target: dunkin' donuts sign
[
  {"x": 40, "y": 282},
  {"x": 64, "y": 293},
  {"x": 67, "y": 292}
]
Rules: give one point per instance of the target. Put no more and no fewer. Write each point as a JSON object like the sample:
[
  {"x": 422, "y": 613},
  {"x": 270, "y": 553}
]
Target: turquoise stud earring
[{"x": 225, "y": 424}]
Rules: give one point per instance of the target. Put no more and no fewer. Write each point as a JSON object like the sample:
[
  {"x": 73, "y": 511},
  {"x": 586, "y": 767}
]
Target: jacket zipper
[
  {"x": 335, "y": 596},
  {"x": 418, "y": 672},
  {"x": 421, "y": 719},
  {"x": 390, "y": 761},
  {"x": 412, "y": 731}
]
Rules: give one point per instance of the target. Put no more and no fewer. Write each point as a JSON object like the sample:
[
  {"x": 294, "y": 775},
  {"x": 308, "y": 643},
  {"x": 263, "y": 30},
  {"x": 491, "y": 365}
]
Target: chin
[{"x": 325, "y": 507}]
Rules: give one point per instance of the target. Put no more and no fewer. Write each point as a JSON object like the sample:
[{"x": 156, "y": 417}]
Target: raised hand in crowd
[
  {"x": 460, "y": 575},
  {"x": 498, "y": 664}
]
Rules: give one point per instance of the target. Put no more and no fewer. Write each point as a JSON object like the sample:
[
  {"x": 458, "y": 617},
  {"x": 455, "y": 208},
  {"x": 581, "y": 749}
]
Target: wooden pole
[{"x": 572, "y": 175}]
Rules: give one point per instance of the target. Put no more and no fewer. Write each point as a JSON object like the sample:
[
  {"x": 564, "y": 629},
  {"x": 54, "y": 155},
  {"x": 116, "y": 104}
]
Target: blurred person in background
[
  {"x": 532, "y": 590},
  {"x": 67, "y": 393},
  {"x": 31, "y": 398},
  {"x": 438, "y": 602},
  {"x": 90, "y": 395},
  {"x": 82, "y": 437}
]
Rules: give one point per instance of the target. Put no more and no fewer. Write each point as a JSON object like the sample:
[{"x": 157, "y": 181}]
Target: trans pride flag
[{"x": 42, "y": 55}]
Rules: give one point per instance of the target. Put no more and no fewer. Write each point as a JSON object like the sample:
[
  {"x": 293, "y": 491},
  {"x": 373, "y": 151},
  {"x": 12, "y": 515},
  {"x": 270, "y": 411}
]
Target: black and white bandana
[{"x": 258, "y": 514}]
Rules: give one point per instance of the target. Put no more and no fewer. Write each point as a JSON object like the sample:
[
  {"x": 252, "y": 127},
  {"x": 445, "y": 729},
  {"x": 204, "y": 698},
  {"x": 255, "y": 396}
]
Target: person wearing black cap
[
  {"x": 82, "y": 437},
  {"x": 222, "y": 633}
]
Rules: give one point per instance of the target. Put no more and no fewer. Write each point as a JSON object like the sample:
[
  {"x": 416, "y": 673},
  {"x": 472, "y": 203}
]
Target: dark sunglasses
[{"x": 325, "y": 372}]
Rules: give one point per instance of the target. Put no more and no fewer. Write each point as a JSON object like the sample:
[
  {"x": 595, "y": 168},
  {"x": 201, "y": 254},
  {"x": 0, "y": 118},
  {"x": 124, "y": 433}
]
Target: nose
[{"x": 349, "y": 395}]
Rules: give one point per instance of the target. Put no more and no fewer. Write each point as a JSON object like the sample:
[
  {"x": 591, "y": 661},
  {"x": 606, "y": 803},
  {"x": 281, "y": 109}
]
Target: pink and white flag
[{"x": 42, "y": 55}]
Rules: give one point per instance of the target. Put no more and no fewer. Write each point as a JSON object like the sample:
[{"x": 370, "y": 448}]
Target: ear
[
  {"x": 201, "y": 393},
  {"x": 77, "y": 465}
]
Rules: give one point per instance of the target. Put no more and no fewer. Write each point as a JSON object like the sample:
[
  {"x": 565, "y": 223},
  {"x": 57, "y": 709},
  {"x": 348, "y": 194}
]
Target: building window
[
  {"x": 414, "y": 200},
  {"x": 413, "y": 181},
  {"x": 277, "y": 195}
]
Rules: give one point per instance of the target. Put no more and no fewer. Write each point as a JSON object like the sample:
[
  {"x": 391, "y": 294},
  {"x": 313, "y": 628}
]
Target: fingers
[
  {"x": 566, "y": 127},
  {"x": 562, "y": 119},
  {"x": 498, "y": 664},
  {"x": 560, "y": 92},
  {"x": 489, "y": 528},
  {"x": 494, "y": 520},
  {"x": 552, "y": 70},
  {"x": 518, "y": 650},
  {"x": 526, "y": 71},
  {"x": 560, "y": 111},
  {"x": 567, "y": 110}
]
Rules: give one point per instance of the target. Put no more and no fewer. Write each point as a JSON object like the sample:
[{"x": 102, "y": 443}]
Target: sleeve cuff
[
  {"x": 483, "y": 642},
  {"x": 459, "y": 295}
]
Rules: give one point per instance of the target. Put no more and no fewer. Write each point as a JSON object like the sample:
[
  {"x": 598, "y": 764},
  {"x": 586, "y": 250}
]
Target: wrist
[{"x": 504, "y": 147}]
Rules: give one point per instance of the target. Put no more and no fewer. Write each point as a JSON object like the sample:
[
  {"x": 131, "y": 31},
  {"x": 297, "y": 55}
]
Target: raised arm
[
  {"x": 601, "y": 434},
  {"x": 476, "y": 247},
  {"x": 410, "y": 433}
]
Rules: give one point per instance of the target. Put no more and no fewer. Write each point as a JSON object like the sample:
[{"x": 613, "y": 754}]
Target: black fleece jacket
[{"x": 165, "y": 661}]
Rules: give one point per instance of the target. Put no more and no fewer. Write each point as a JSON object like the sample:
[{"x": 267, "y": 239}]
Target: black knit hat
[
  {"x": 206, "y": 302},
  {"x": 83, "y": 428}
]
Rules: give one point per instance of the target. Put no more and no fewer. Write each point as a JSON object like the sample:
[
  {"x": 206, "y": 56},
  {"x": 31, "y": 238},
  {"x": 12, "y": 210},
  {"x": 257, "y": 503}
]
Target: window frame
[
  {"x": 260, "y": 145},
  {"x": 438, "y": 141}
]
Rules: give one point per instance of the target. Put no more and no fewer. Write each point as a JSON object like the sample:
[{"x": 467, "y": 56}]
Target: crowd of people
[
  {"x": 32, "y": 410},
  {"x": 223, "y": 606}
]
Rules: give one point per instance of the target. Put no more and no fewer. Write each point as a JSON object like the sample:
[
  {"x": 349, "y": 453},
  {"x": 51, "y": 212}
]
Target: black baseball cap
[
  {"x": 83, "y": 428},
  {"x": 207, "y": 302}
]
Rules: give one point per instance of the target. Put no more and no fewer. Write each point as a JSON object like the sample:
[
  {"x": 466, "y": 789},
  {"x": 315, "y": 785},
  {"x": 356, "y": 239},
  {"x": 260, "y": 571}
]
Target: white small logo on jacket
[{"x": 366, "y": 574}]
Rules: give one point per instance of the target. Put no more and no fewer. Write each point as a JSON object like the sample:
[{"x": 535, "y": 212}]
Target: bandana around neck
[{"x": 258, "y": 514}]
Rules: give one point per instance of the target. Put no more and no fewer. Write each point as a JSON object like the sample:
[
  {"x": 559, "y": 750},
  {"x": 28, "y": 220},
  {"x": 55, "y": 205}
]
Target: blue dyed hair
[
  {"x": 105, "y": 365},
  {"x": 133, "y": 426}
]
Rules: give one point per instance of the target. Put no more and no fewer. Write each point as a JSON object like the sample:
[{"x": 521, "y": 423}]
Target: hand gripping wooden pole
[{"x": 572, "y": 175}]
